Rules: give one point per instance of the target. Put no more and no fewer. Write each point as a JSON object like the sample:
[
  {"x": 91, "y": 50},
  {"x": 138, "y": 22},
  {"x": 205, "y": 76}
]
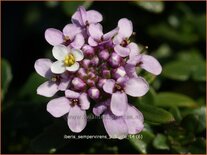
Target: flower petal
[
  {"x": 77, "y": 17},
  {"x": 64, "y": 84},
  {"x": 109, "y": 86},
  {"x": 58, "y": 107},
  {"x": 94, "y": 16},
  {"x": 42, "y": 67},
  {"x": 122, "y": 51},
  {"x": 125, "y": 27},
  {"x": 115, "y": 126},
  {"x": 134, "y": 49},
  {"x": 78, "y": 41},
  {"x": 134, "y": 120},
  {"x": 58, "y": 67},
  {"x": 53, "y": 36},
  {"x": 47, "y": 89},
  {"x": 74, "y": 67},
  {"x": 110, "y": 34},
  {"x": 95, "y": 31},
  {"x": 122, "y": 80},
  {"x": 134, "y": 60},
  {"x": 118, "y": 39},
  {"x": 71, "y": 30},
  {"x": 77, "y": 119},
  {"x": 136, "y": 87},
  {"x": 83, "y": 14},
  {"x": 99, "y": 108},
  {"x": 151, "y": 65},
  {"x": 72, "y": 94},
  {"x": 92, "y": 42},
  {"x": 119, "y": 103},
  {"x": 59, "y": 52},
  {"x": 130, "y": 70},
  {"x": 84, "y": 102},
  {"x": 78, "y": 54}
]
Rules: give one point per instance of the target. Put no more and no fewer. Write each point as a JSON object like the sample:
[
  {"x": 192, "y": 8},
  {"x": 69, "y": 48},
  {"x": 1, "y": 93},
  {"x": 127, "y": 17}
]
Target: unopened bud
[
  {"x": 78, "y": 84},
  {"x": 94, "y": 93}
]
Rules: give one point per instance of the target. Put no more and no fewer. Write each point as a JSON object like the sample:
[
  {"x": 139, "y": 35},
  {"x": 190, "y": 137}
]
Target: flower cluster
[{"x": 92, "y": 65}]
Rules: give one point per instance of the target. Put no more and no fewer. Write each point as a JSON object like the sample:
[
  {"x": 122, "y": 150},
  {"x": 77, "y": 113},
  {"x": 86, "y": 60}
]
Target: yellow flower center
[{"x": 69, "y": 60}]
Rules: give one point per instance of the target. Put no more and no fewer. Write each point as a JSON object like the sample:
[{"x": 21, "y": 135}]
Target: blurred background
[{"x": 174, "y": 109}]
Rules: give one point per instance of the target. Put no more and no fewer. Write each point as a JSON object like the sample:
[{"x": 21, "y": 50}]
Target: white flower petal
[
  {"x": 78, "y": 54},
  {"x": 58, "y": 67},
  {"x": 74, "y": 67},
  {"x": 59, "y": 52}
]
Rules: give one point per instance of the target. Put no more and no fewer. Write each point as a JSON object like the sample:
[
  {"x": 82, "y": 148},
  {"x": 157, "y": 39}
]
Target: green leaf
[
  {"x": 176, "y": 113},
  {"x": 189, "y": 64},
  {"x": 168, "y": 99},
  {"x": 51, "y": 139},
  {"x": 154, "y": 114},
  {"x": 29, "y": 88},
  {"x": 177, "y": 70},
  {"x": 197, "y": 117},
  {"x": 6, "y": 76},
  {"x": 201, "y": 115},
  {"x": 70, "y": 7},
  {"x": 160, "y": 142},
  {"x": 199, "y": 72},
  {"x": 198, "y": 146},
  {"x": 155, "y": 7},
  {"x": 190, "y": 122},
  {"x": 192, "y": 55},
  {"x": 140, "y": 145},
  {"x": 200, "y": 25},
  {"x": 149, "y": 98},
  {"x": 162, "y": 30},
  {"x": 163, "y": 51}
]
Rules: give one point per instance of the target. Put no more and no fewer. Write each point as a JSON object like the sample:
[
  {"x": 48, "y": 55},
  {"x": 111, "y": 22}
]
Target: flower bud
[
  {"x": 95, "y": 61},
  {"x": 104, "y": 55},
  {"x": 82, "y": 73},
  {"x": 90, "y": 82},
  {"x": 103, "y": 66},
  {"x": 119, "y": 72},
  {"x": 78, "y": 84},
  {"x": 106, "y": 73},
  {"x": 88, "y": 50},
  {"x": 86, "y": 63},
  {"x": 91, "y": 75},
  {"x": 101, "y": 82},
  {"x": 94, "y": 93},
  {"x": 114, "y": 60}
]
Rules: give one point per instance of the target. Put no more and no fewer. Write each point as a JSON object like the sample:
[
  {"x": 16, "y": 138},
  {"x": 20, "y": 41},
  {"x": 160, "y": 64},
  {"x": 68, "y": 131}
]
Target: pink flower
[
  {"x": 119, "y": 89},
  {"x": 71, "y": 35},
  {"x": 96, "y": 35},
  {"x": 83, "y": 18},
  {"x": 144, "y": 61},
  {"x": 55, "y": 83},
  {"x": 120, "y": 126},
  {"x": 121, "y": 40},
  {"x": 75, "y": 105}
]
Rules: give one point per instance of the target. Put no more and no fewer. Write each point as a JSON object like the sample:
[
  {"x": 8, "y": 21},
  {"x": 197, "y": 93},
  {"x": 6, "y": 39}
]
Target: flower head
[{"x": 92, "y": 65}]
